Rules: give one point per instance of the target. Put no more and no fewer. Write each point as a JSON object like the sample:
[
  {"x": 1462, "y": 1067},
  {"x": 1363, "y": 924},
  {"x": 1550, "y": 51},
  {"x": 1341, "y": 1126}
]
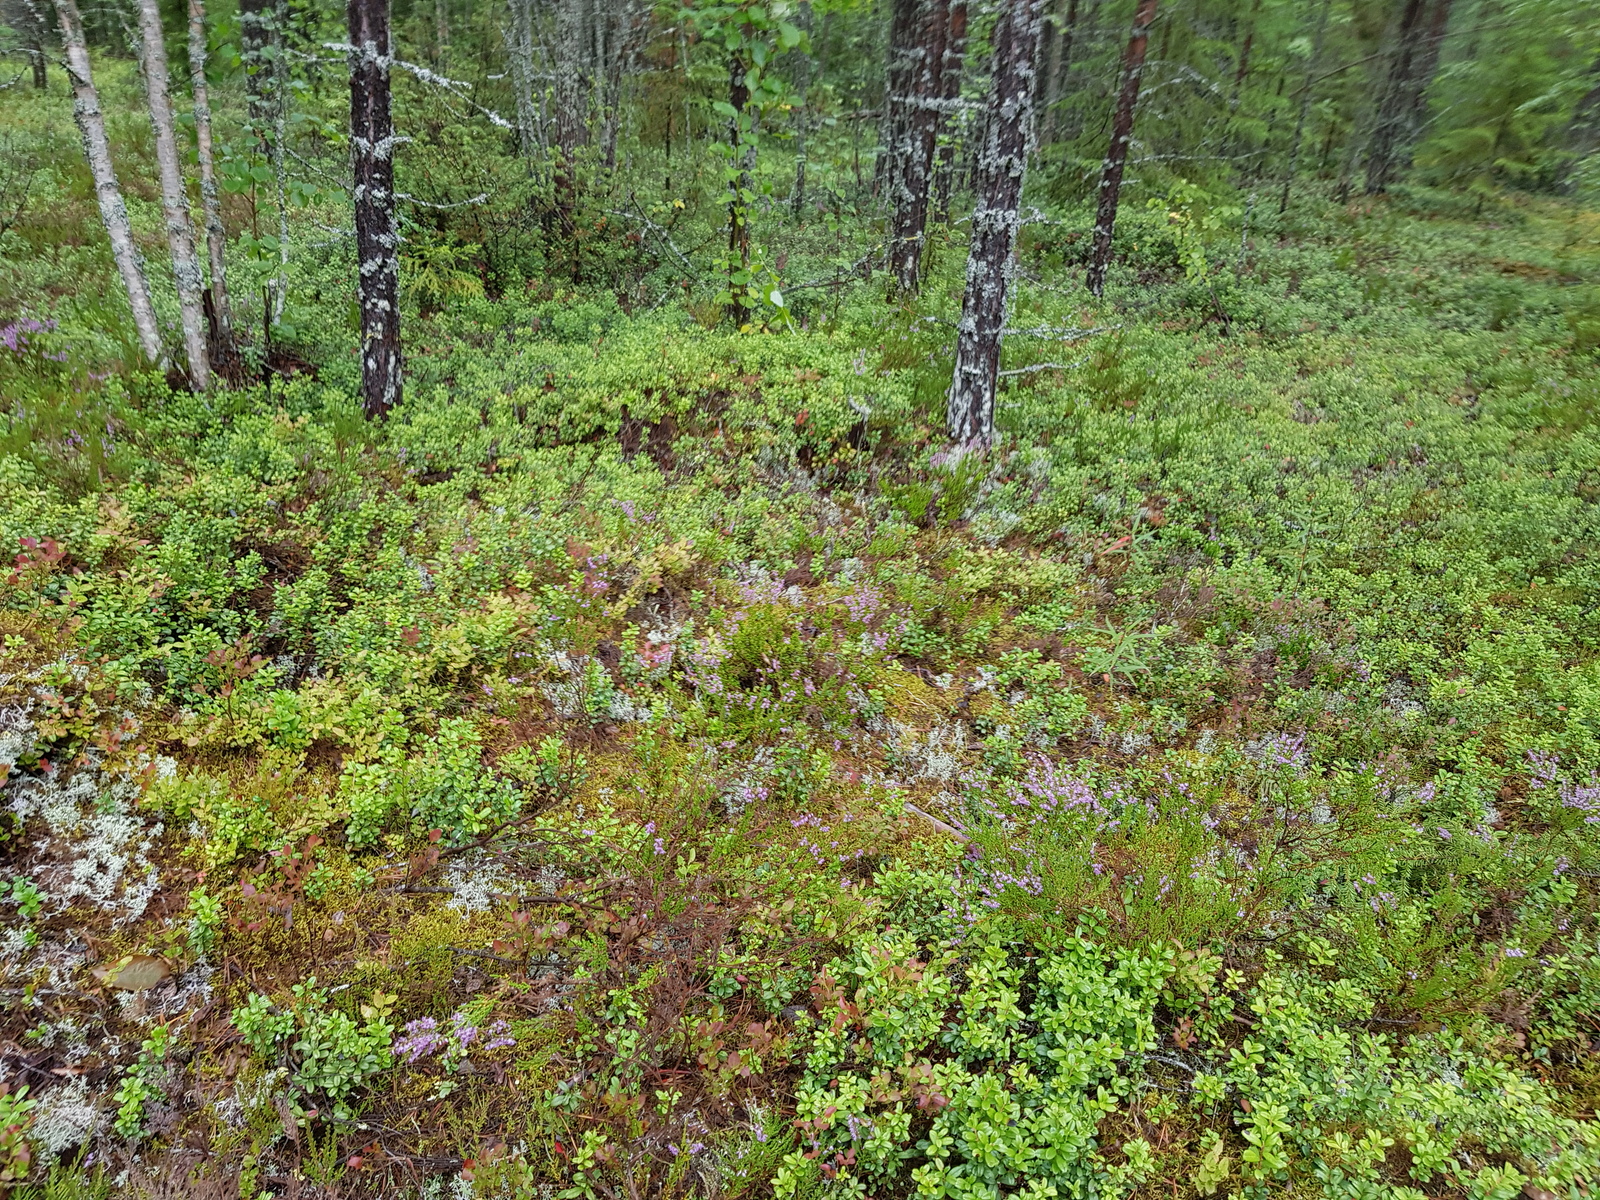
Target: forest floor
[{"x": 651, "y": 763}]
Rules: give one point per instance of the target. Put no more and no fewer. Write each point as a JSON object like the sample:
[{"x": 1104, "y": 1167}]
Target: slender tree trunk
[
  {"x": 797, "y": 196},
  {"x": 950, "y": 76},
  {"x": 1394, "y": 109},
  {"x": 1306, "y": 88},
  {"x": 1427, "y": 65},
  {"x": 919, "y": 134},
  {"x": 31, "y": 27},
  {"x": 441, "y": 30},
  {"x": 1060, "y": 68},
  {"x": 97, "y": 150},
  {"x": 573, "y": 85},
  {"x": 373, "y": 144},
  {"x": 902, "y": 66},
  {"x": 210, "y": 198},
  {"x": 1105, "y": 218},
  {"x": 738, "y": 189},
  {"x": 1002, "y": 167},
  {"x": 520, "y": 51},
  {"x": 186, "y": 271}
]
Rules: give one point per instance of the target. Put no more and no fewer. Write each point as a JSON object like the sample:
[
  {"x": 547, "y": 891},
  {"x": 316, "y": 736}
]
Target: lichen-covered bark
[
  {"x": 950, "y": 75},
  {"x": 1002, "y": 168},
  {"x": 186, "y": 270},
  {"x": 1105, "y": 217},
  {"x": 519, "y": 48},
  {"x": 919, "y": 132},
  {"x": 901, "y": 67},
  {"x": 373, "y": 142},
  {"x": 210, "y": 198},
  {"x": 113, "y": 212},
  {"x": 574, "y": 84}
]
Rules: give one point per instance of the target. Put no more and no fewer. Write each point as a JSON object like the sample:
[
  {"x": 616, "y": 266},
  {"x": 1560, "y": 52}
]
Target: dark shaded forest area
[{"x": 817, "y": 599}]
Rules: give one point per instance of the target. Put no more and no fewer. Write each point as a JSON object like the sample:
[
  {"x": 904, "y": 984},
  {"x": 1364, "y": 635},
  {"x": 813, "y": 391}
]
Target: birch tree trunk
[
  {"x": 1105, "y": 217},
  {"x": 210, "y": 199},
  {"x": 1394, "y": 108},
  {"x": 919, "y": 133},
  {"x": 186, "y": 272},
  {"x": 950, "y": 76},
  {"x": 520, "y": 51},
  {"x": 1002, "y": 167},
  {"x": 97, "y": 150},
  {"x": 373, "y": 144}
]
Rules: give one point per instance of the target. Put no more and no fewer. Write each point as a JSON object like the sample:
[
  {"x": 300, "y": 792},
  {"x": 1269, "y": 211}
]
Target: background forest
[{"x": 938, "y": 598}]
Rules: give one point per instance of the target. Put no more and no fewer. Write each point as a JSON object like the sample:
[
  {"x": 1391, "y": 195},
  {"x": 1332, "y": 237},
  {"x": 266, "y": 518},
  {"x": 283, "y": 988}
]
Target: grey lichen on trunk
[
  {"x": 372, "y": 143},
  {"x": 919, "y": 133},
  {"x": 1105, "y": 217},
  {"x": 210, "y": 198},
  {"x": 1002, "y": 169},
  {"x": 186, "y": 270},
  {"x": 97, "y": 150}
]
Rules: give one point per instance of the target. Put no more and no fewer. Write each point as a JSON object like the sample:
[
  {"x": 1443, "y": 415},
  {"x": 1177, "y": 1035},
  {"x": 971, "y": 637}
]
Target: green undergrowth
[{"x": 652, "y": 763}]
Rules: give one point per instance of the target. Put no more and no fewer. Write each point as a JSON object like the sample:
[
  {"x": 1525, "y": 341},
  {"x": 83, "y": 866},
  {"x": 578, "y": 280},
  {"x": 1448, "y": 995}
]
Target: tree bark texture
[
  {"x": 519, "y": 49},
  {"x": 186, "y": 270},
  {"x": 574, "y": 83},
  {"x": 97, "y": 150},
  {"x": 950, "y": 76},
  {"x": 210, "y": 198},
  {"x": 1105, "y": 217},
  {"x": 1394, "y": 109},
  {"x": 1427, "y": 65},
  {"x": 373, "y": 144},
  {"x": 901, "y": 69},
  {"x": 919, "y": 134},
  {"x": 1002, "y": 167}
]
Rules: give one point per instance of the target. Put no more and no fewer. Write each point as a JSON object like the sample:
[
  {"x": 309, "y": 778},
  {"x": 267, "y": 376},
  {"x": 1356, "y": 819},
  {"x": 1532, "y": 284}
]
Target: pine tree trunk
[
  {"x": 1427, "y": 65},
  {"x": 902, "y": 66},
  {"x": 1388, "y": 129},
  {"x": 950, "y": 76},
  {"x": 210, "y": 198},
  {"x": 441, "y": 30},
  {"x": 186, "y": 271},
  {"x": 30, "y": 26},
  {"x": 1305, "y": 104},
  {"x": 919, "y": 133},
  {"x": 1002, "y": 167},
  {"x": 573, "y": 85},
  {"x": 1060, "y": 68},
  {"x": 97, "y": 150},
  {"x": 1105, "y": 217},
  {"x": 373, "y": 144}
]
